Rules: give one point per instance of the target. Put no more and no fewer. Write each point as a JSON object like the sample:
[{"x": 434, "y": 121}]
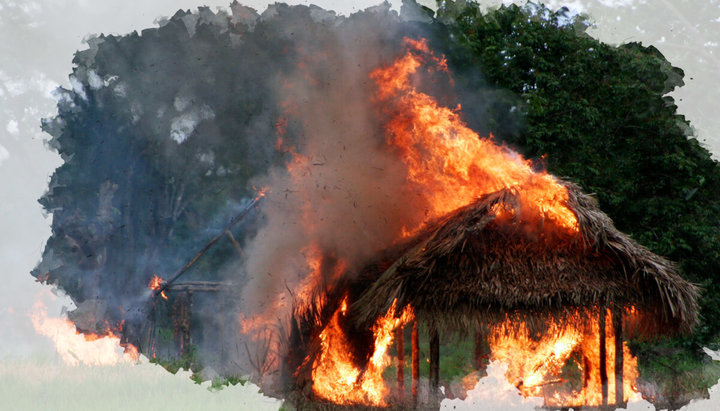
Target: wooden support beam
[
  {"x": 482, "y": 352},
  {"x": 587, "y": 370},
  {"x": 434, "y": 363},
  {"x": 603, "y": 357},
  {"x": 400, "y": 343},
  {"x": 150, "y": 344},
  {"x": 415, "y": 343},
  {"x": 223, "y": 356},
  {"x": 188, "y": 321},
  {"x": 199, "y": 287},
  {"x": 209, "y": 244},
  {"x": 178, "y": 316},
  {"x": 235, "y": 243},
  {"x": 619, "y": 360}
]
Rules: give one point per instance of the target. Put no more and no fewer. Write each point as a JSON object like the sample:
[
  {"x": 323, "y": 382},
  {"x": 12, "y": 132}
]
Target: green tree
[
  {"x": 599, "y": 115},
  {"x": 159, "y": 139}
]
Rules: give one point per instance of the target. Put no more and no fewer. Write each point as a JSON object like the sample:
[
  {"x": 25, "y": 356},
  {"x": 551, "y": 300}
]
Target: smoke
[
  {"x": 493, "y": 392},
  {"x": 342, "y": 193},
  {"x": 166, "y": 134}
]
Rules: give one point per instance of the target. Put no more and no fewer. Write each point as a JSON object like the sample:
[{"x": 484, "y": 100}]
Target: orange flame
[
  {"x": 450, "y": 166},
  {"x": 448, "y": 162},
  {"x": 336, "y": 378},
  {"x": 535, "y": 365},
  {"x": 155, "y": 284},
  {"x": 261, "y": 191},
  {"x": 76, "y": 348}
]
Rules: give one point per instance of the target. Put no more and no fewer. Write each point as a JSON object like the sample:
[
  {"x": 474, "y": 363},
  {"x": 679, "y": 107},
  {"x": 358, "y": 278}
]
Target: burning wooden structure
[
  {"x": 495, "y": 250},
  {"x": 471, "y": 267},
  {"x": 484, "y": 270},
  {"x": 177, "y": 305},
  {"x": 487, "y": 246}
]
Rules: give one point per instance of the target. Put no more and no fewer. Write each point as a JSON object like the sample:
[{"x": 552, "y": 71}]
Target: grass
[{"x": 44, "y": 384}]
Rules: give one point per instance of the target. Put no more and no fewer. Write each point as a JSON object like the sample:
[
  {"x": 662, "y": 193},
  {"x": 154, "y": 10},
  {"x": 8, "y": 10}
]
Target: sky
[{"x": 40, "y": 37}]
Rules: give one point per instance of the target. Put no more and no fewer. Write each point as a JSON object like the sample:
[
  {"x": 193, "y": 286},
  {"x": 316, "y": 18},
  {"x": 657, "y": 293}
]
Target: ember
[{"x": 156, "y": 284}]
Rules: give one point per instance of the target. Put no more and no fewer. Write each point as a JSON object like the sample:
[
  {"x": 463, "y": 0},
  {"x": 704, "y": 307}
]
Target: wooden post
[
  {"x": 223, "y": 356},
  {"x": 400, "y": 341},
  {"x": 586, "y": 370},
  {"x": 150, "y": 345},
  {"x": 434, "y": 363},
  {"x": 617, "y": 325},
  {"x": 188, "y": 322},
  {"x": 603, "y": 357},
  {"x": 178, "y": 319},
  {"x": 482, "y": 352},
  {"x": 415, "y": 343}
]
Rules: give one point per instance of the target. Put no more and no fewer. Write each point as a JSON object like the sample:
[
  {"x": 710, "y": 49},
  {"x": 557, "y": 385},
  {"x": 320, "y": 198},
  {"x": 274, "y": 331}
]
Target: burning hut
[
  {"x": 520, "y": 260},
  {"x": 491, "y": 272},
  {"x": 483, "y": 265},
  {"x": 472, "y": 266}
]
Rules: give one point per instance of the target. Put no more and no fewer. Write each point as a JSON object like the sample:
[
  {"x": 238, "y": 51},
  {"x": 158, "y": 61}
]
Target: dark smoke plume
[{"x": 168, "y": 133}]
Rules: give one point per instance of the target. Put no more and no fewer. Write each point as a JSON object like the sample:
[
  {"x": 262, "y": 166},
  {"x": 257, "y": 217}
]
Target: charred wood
[
  {"x": 209, "y": 244},
  {"x": 482, "y": 352},
  {"x": 399, "y": 338},
  {"x": 415, "y": 362},
  {"x": 603, "y": 357},
  {"x": 434, "y": 363},
  {"x": 617, "y": 325}
]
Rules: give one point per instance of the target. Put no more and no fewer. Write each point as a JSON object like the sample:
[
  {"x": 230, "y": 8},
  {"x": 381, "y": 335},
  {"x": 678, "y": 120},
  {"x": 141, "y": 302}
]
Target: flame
[
  {"x": 448, "y": 162},
  {"x": 156, "y": 283},
  {"x": 449, "y": 166},
  {"x": 76, "y": 348},
  {"x": 535, "y": 365},
  {"x": 336, "y": 377},
  {"x": 261, "y": 191}
]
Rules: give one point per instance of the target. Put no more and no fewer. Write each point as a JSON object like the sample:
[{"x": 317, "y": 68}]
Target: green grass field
[
  {"x": 47, "y": 384},
  {"x": 44, "y": 384}
]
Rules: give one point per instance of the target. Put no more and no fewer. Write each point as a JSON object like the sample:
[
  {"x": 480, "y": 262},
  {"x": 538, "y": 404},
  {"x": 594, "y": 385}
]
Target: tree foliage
[
  {"x": 160, "y": 135},
  {"x": 601, "y": 116}
]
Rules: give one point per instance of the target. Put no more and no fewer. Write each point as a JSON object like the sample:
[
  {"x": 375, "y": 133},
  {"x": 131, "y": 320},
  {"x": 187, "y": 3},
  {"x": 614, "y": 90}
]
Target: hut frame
[{"x": 471, "y": 269}]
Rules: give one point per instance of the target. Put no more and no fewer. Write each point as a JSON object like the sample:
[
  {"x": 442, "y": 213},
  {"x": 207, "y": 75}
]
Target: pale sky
[{"x": 40, "y": 37}]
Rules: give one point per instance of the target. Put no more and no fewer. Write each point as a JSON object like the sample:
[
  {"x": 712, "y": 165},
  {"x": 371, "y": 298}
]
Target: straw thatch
[{"x": 469, "y": 269}]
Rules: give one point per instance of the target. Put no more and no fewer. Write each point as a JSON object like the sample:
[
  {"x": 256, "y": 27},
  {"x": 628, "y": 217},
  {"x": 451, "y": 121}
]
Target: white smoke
[{"x": 493, "y": 392}]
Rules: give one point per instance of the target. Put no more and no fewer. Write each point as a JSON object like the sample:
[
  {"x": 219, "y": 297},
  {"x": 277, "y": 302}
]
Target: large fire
[
  {"x": 447, "y": 161},
  {"x": 75, "y": 348},
  {"x": 536, "y": 365},
  {"x": 449, "y": 166},
  {"x": 336, "y": 378}
]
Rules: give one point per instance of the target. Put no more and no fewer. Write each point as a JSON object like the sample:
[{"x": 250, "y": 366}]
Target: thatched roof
[{"x": 469, "y": 267}]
